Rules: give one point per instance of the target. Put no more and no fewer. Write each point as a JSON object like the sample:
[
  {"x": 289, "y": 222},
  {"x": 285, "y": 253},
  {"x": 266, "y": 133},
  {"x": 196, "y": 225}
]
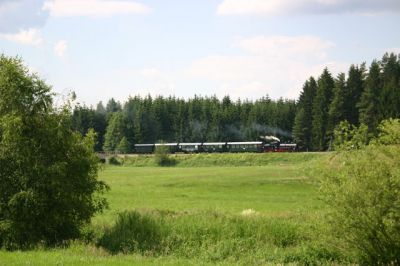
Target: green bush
[
  {"x": 162, "y": 158},
  {"x": 114, "y": 160},
  {"x": 362, "y": 189},
  {"x": 132, "y": 232}
]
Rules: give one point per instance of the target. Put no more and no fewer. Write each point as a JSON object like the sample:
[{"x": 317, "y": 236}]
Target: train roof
[
  {"x": 166, "y": 144},
  {"x": 288, "y": 144},
  {"x": 213, "y": 143},
  {"x": 190, "y": 144},
  {"x": 143, "y": 145},
  {"x": 245, "y": 143}
]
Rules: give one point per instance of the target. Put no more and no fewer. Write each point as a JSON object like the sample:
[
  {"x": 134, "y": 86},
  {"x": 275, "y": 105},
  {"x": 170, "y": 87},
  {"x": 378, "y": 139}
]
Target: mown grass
[{"x": 200, "y": 215}]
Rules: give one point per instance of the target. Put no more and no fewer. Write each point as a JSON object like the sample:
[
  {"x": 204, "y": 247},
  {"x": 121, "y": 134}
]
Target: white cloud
[
  {"x": 395, "y": 50},
  {"x": 27, "y": 37},
  {"x": 93, "y": 8},
  {"x": 279, "y": 7},
  {"x": 60, "y": 48},
  {"x": 273, "y": 65},
  {"x": 278, "y": 46}
]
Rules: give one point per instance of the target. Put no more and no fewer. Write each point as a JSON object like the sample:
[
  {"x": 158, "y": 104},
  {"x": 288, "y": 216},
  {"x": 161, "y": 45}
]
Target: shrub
[
  {"x": 162, "y": 158},
  {"x": 113, "y": 160},
  {"x": 48, "y": 184},
  {"x": 362, "y": 189},
  {"x": 132, "y": 232}
]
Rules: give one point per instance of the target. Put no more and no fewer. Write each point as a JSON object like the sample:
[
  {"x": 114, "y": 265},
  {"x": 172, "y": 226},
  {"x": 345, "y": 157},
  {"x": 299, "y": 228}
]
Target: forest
[{"x": 362, "y": 96}]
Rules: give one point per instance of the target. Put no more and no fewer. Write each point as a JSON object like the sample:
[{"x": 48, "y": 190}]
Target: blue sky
[{"x": 245, "y": 48}]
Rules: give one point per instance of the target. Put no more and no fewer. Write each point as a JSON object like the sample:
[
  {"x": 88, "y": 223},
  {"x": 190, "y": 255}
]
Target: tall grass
[
  {"x": 214, "y": 237},
  {"x": 217, "y": 159}
]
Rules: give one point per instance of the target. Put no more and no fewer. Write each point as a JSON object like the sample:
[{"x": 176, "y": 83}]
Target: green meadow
[{"x": 223, "y": 209}]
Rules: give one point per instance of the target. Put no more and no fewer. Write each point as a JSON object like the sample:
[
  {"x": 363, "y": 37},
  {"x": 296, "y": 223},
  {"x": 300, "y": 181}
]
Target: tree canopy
[{"x": 48, "y": 172}]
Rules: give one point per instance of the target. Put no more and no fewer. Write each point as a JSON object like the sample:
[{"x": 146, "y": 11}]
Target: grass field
[{"x": 200, "y": 213}]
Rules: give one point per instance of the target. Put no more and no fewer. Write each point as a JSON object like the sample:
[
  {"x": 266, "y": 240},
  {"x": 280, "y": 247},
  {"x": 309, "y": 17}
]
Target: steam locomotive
[{"x": 266, "y": 144}]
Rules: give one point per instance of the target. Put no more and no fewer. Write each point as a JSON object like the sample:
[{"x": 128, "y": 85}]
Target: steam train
[{"x": 267, "y": 144}]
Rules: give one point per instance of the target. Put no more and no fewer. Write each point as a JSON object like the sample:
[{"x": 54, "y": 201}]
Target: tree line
[
  {"x": 363, "y": 96},
  {"x": 200, "y": 119}
]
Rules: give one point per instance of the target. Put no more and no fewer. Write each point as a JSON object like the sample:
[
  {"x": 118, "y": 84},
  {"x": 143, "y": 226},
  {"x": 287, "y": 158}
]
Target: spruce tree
[
  {"x": 303, "y": 122},
  {"x": 390, "y": 93},
  {"x": 336, "y": 108},
  {"x": 355, "y": 85},
  {"x": 320, "y": 110},
  {"x": 369, "y": 103}
]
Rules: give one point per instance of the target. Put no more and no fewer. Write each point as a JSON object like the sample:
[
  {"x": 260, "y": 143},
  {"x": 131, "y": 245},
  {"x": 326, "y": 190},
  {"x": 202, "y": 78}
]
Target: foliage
[
  {"x": 115, "y": 131},
  {"x": 124, "y": 146},
  {"x": 362, "y": 188},
  {"x": 389, "y": 132},
  {"x": 85, "y": 118},
  {"x": 162, "y": 156},
  {"x": 320, "y": 111},
  {"x": 336, "y": 113},
  {"x": 132, "y": 232},
  {"x": 349, "y": 137},
  {"x": 369, "y": 102},
  {"x": 48, "y": 172},
  {"x": 302, "y": 128},
  {"x": 113, "y": 160}
]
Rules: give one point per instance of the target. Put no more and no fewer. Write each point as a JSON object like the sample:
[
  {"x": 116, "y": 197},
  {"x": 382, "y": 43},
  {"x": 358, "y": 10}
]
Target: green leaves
[{"x": 48, "y": 184}]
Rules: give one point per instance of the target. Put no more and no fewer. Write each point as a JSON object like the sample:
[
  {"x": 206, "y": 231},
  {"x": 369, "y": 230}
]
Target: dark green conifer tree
[
  {"x": 302, "y": 129},
  {"x": 390, "y": 93},
  {"x": 320, "y": 110},
  {"x": 336, "y": 109},
  {"x": 354, "y": 89},
  {"x": 369, "y": 103}
]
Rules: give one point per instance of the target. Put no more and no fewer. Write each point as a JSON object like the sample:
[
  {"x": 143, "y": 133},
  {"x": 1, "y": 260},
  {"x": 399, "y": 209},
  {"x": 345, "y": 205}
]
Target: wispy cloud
[
  {"x": 274, "y": 65},
  {"x": 60, "y": 48},
  {"x": 93, "y": 8},
  {"x": 282, "y": 7},
  {"x": 26, "y": 37}
]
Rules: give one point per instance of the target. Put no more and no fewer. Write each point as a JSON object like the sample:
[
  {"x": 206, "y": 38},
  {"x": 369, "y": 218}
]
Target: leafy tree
[
  {"x": 124, "y": 146},
  {"x": 389, "y": 132},
  {"x": 48, "y": 185},
  {"x": 350, "y": 137},
  {"x": 115, "y": 131},
  {"x": 85, "y": 118},
  {"x": 361, "y": 188}
]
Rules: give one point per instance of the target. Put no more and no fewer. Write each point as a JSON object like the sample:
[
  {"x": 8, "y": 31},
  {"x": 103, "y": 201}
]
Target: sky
[{"x": 242, "y": 48}]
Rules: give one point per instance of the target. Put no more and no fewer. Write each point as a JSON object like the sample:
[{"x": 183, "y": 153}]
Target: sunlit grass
[{"x": 267, "y": 213}]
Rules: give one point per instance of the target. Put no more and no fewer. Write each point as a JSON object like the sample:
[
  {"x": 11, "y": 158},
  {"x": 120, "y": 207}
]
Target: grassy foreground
[{"x": 202, "y": 214}]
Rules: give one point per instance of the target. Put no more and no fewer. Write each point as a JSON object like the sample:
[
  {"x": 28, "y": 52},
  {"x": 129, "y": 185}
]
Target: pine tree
[
  {"x": 336, "y": 108},
  {"x": 320, "y": 110},
  {"x": 390, "y": 93},
  {"x": 369, "y": 103},
  {"x": 355, "y": 85},
  {"x": 303, "y": 123},
  {"x": 299, "y": 127}
]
